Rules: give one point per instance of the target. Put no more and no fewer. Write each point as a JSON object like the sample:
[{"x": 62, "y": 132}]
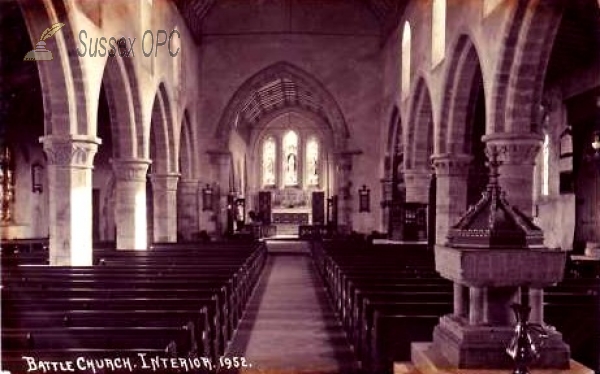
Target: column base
[
  {"x": 427, "y": 360},
  {"x": 477, "y": 347}
]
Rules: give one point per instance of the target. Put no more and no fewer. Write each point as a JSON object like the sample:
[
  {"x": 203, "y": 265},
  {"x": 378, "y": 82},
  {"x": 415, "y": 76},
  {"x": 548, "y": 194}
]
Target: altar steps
[{"x": 275, "y": 246}]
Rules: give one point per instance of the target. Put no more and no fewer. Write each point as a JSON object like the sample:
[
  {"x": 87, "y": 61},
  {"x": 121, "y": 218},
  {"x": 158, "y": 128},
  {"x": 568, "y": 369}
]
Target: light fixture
[
  {"x": 364, "y": 199},
  {"x": 207, "y": 198},
  {"x": 596, "y": 142},
  {"x": 36, "y": 177}
]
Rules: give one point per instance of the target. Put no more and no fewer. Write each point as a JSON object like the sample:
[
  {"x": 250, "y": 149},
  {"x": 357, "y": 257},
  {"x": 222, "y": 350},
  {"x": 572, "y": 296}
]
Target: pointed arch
[
  {"x": 525, "y": 54},
  {"x": 124, "y": 109},
  {"x": 162, "y": 134},
  {"x": 463, "y": 81},
  {"x": 269, "y": 160},
  {"x": 62, "y": 81},
  {"x": 280, "y": 85},
  {"x": 420, "y": 132},
  {"x": 395, "y": 143},
  {"x": 186, "y": 148}
]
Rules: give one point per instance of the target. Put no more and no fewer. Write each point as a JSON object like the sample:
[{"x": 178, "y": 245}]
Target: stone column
[
  {"x": 345, "y": 186},
  {"x": 188, "y": 208},
  {"x": 221, "y": 161},
  {"x": 452, "y": 172},
  {"x": 164, "y": 192},
  {"x": 417, "y": 186},
  {"x": 517, "y": 154},
  {"x": 476, "y": 305},
  {"x": 70, "y": 163},
  {"x": 386, "y": 203},
  {"x": 536, "y": 302},
  {"x": 460, "y": 304},
  {"x": 130, "y": 205}
]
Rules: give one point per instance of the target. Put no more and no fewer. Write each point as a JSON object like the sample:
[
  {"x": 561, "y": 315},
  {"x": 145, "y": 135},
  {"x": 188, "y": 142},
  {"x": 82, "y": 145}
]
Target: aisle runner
[{"x": 289, "y": 326}]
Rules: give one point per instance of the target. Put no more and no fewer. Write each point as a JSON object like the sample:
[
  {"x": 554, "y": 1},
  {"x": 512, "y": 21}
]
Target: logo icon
[{"x": 40, "y": 53}]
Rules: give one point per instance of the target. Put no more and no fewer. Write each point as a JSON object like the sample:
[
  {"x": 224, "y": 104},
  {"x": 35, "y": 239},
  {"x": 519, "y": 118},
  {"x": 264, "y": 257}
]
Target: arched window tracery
[
  {"x": 312, "y": 162},
  {"x": 268, "y": 162},
  {"x": 290, "y": 158}
]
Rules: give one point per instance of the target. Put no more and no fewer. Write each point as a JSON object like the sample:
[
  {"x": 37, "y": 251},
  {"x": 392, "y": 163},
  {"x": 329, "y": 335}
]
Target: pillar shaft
[
  {"x": 221, "y": 162},
  {"x": 476, "y": 306},
  {"x": 345, "y": 193},
  {"x": 386, "y": 201},
  {"x": 460, "y": 305},
  {"x": 164, "y": 193},
  {"x": 452, "y": 172},
  {"x": 536, "y": 302},
  {"x": 188, "y": 208},
  {"x": 70, "y": 162},
  {"x": 130, "y": 205},
  {"x": 517, "y": 154}
]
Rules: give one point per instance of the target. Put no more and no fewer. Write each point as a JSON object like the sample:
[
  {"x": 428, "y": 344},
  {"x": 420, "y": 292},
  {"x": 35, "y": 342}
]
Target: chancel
[{"x": 300, "y": 186}]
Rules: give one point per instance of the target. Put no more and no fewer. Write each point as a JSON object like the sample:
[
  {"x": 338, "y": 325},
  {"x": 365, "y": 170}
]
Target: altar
[
  {"x": 288, "y": 220},
  {"x": 287, "y": 209},
  {"x": 290, "y": 217}
]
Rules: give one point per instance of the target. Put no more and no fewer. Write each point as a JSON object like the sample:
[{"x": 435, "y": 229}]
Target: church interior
[{"x": 300, "y": 186}]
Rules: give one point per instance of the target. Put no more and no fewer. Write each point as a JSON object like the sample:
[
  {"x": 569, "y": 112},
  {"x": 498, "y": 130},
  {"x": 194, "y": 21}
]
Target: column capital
[
  {"x": 448, "y": 164},
  {"x": 131, "y": 170},
  {"x": 166, "y": 182},
  {"x": 514, "y": 148},
  {"x": 70, "y": 150}
]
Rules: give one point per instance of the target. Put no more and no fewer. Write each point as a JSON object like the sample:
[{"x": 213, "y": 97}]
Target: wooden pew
[{"x": 134, "y": 292}]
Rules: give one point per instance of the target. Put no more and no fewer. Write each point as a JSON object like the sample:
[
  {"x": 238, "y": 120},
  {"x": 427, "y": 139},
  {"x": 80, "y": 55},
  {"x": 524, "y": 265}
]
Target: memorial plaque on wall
[
  {"x": 318, "y": 208},
  {"x": 264, "y": 206}
]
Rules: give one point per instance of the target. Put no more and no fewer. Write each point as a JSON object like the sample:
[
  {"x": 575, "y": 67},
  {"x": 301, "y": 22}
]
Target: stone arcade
[{"x": 365, "y": 123}]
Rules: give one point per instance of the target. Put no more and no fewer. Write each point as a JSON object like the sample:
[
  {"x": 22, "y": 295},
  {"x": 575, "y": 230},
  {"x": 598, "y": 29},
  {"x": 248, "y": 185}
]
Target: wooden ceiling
[{"x": 386, "y": 12}]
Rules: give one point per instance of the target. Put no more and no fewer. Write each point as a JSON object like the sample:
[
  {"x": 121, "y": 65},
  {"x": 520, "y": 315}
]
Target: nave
[
  {"x": 289, "y": 324},
  {"x": 331, "y": 306}
]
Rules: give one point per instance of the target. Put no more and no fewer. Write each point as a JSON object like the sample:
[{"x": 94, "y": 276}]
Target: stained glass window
[
  {"x": 268, "y": 158},
  {"x": 312, "y": 162},
  {"x": 290, "y": 158}
]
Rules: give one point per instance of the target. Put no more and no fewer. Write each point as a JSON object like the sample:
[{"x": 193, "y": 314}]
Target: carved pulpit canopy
[{"x": 493, "y": 223}]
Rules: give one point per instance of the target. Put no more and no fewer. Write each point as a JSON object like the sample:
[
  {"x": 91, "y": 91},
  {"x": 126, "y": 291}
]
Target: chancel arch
[
  {"x": 292, "y": 152},
  {"x": 298, "y": 112},
  {"x": 277, "y": 86},
  {"x": 282, "y": 113}
]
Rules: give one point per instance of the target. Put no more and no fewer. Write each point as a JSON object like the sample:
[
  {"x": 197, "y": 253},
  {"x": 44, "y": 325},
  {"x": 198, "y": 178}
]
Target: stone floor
[{"x": 289, "y": 326}]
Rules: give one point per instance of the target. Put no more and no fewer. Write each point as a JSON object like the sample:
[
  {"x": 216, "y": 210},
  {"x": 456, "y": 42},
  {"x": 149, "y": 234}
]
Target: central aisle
[{"x": 289, "y": 326}]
